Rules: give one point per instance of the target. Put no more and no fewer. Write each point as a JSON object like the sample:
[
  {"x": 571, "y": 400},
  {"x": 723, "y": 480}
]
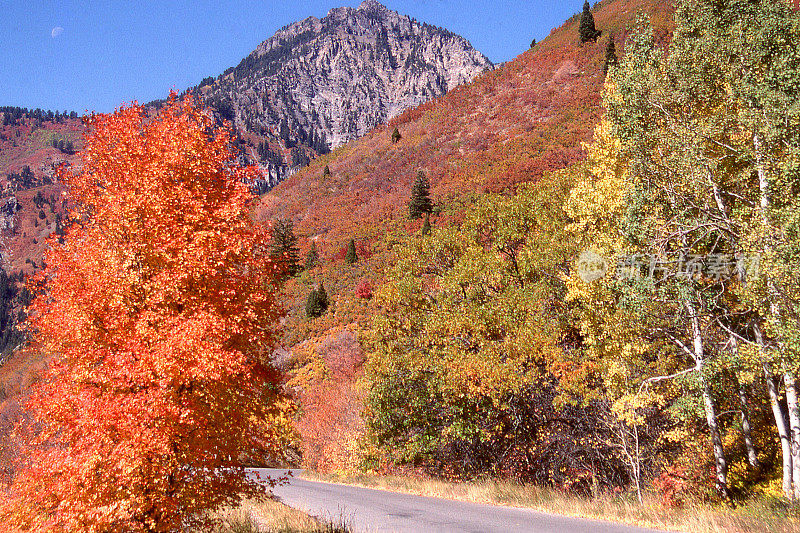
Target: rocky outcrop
[{"x": 321, "y": 82}]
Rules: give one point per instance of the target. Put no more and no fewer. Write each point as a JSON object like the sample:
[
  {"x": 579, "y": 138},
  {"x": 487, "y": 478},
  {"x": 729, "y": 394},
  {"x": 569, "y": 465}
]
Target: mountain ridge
[
  {"x": 318, "y": 83},
  {"x": 279, "y": 144}
]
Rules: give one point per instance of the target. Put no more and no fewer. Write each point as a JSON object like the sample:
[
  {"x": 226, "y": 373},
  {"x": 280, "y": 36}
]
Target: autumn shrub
[
  {"x": 330, "y": 427},
  {"x": 159, "y": 311},
  {"x": 330, "y": 423},
  {"x": 364, "y": 289},
  {"x": 363, "y": 250},
  {"x": 671, "y": 486}
]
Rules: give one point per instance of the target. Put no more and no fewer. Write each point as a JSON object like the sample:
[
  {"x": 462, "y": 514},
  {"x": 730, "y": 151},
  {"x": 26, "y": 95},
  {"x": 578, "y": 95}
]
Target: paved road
[{"x": 371, "y": 510}]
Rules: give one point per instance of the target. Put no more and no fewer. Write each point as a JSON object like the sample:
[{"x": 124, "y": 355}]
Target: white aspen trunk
[
  {"x": 790, "y": 384},
  {"x": 773, "y": 391},
  {"x": 792, "y": 487},
  {"x": 720, "y": 464},
  {"x": 637, "y": 465},
  {"x": 752, "y": 456},
  {"x": 763, "y": 184},
  {"x": 783, "y": 432}
]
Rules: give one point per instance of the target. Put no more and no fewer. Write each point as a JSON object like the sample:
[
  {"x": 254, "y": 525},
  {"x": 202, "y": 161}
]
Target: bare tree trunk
[
  {"x": 790, "y": 442},
  {"x": 773, "y": 390},
  {"x": 763, "y": 184},
  {"x": 720, "y": 464},
  {"x": 631, "y": 451},
  {"x": 794, "y": 424},
  {"x": 636, "y": 464},
  {"x": 752, "y": 457}
]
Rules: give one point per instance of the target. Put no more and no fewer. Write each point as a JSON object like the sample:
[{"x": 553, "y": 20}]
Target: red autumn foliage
[
  {"x": 679, "y": 485},
  {"x": 363, "y": 251},
  {"x": 364, "y": 289},
  {"x": 159, "y": 312},
  {"x": 17, "y": 374},
  {"x": 331, "y": 421},
  {"x": 329, "y": 426}
]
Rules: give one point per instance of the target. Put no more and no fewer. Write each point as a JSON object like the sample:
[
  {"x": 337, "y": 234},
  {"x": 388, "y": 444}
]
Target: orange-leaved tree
[{"x": 159, "y": 309}]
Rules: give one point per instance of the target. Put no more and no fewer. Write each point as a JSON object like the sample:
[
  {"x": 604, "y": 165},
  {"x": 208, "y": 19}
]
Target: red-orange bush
[
  {"x": 159, "y": 312},
  {"x": 364, "y": 289}
]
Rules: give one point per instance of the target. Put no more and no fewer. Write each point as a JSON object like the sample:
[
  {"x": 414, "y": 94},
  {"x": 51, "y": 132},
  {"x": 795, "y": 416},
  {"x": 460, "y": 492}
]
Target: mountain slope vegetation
[
  {"x": 577, "y": 271},
  {"x": 511, "y": 127},
  {"x": 507, "y": 127},
  {"x": 596, "y": 305}
]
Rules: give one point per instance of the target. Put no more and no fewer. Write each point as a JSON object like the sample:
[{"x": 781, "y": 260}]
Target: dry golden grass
[
  {"x": 755, "y": 517},
  {"x": 271, "y": 516}
]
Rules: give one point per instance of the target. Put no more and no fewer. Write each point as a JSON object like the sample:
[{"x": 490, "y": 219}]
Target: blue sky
[{"x": 94, "y": 55}]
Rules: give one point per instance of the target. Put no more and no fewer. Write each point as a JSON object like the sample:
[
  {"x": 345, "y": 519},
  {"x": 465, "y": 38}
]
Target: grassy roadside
[
  {"x": 271, "y": 516},
  {"x": 755, "y": 517}
]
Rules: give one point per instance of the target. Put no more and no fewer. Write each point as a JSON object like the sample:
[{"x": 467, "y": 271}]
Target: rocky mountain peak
[
  {"x": 319, "y": 83},
  {"x": 373, "y": 6}
]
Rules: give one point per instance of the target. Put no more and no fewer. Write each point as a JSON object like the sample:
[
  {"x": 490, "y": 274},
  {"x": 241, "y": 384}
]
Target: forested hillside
[
  {"x": 590, "y": 304},
  {"x": 33, "y": 144},
  {"x": 507, "y": 127},
  {"x": 510, "y": 127}
]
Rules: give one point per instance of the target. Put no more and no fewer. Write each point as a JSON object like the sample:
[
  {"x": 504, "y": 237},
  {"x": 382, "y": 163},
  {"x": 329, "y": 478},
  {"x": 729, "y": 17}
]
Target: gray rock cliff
[{"x": 319, "y": 83}]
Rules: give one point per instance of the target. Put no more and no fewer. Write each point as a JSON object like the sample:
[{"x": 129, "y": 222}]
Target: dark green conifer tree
[
  {"x": 326, "y": 171},
  {"x": 312, "y": 302},
  {"x": 420, "y": 202},
  {"x": 396, "y": 136},
  {"x": 322, "y": 297},
  {"x": 351, "y": 256},
  {"x": 312, "y": 259},
  {"x": 587, "y": 29},
  {"x": 611, "y": 55},
  {"x": 317, "y": 302},
  {"x": 283, "y": 248},
  {"x": 426, "y": 226}
]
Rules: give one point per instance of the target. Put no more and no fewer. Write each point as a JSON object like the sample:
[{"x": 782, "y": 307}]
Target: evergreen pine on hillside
[
  {"x": 420, "y": 202},
  {"x": 351, "y": 256},
  {"x": 312, "y": 304},
  {"x": 312, "y": 259},
  {"x": 283, "y": 247},
  {"x": 326, "y": 171},
  {"x": 611, "y": 55},
  {"x": 322, "y": 296},
  {"x": 317, "y": 302},
  {"x": 426, "y": 226},
  {"x": 396, "y": 136},
  {"x": 587, "y": 29}
]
